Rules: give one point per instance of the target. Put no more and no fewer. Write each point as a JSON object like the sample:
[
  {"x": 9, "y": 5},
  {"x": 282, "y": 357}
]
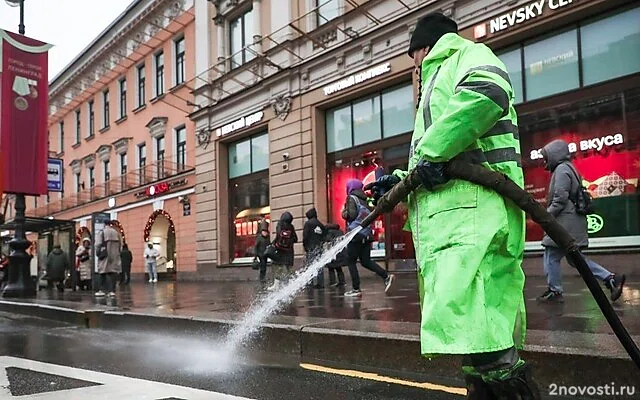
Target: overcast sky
[{"x": 70, "y": 25}]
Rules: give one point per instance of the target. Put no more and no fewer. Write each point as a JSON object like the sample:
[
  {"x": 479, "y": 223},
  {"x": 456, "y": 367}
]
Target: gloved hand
[
  {"x": 431, "y": 174},
  {"x": 381, "y": 186}
]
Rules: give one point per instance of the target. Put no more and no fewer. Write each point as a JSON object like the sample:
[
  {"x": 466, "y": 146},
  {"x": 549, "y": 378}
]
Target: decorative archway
[
  {"x": 82, "y": 232},
  {"x": 152, "y": 219},
  {"x": 117, "y": 225}
]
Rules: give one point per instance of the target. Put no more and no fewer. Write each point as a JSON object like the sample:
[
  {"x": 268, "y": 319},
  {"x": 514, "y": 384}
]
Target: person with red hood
[{"x": 354, "y": 212}]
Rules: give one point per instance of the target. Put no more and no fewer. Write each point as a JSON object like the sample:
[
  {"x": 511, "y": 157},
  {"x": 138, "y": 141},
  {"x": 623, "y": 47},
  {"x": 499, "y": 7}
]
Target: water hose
[{"x": 500, "y": 183}]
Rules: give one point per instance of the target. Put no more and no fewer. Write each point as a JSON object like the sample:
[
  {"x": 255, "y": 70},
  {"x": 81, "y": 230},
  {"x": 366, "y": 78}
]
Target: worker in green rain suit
[{"x": 469, "y": 240}]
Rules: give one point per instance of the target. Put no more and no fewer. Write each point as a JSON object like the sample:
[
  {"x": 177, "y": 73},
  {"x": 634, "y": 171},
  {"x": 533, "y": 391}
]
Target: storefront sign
[
  {"x": 518, "y": 16},
  {"x": 241, "y": 123},
  {"x": 357, "y": 78},
  {"x": 24, "y": 112},
  {"x": 589, "y": 144},
  {"x": 160, "y": 188},
  {"x": 595, "y": 223}
]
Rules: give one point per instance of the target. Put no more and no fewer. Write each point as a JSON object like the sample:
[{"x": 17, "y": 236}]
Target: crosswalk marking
[{"x": 112, "y": 386}]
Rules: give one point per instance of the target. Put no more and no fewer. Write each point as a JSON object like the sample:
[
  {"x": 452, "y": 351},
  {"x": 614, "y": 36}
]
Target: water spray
[{"x": 504, "y": 186}]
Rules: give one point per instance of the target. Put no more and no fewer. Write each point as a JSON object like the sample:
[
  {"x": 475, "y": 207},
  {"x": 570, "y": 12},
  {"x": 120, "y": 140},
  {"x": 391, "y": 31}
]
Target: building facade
[
  {"x": 119, "y": 122},
  {"x": 293, "y": 100}
]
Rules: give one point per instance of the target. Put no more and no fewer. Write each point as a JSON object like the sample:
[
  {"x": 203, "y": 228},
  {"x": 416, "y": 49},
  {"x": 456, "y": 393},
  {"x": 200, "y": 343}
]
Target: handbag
[
  {"x": 583, "y": 201},
  {"x": 84, "y": 257},
  {"x": 102, "y": 250},
  {"x": 256, "y": 264},
  {"x": 271, "y": 252}
]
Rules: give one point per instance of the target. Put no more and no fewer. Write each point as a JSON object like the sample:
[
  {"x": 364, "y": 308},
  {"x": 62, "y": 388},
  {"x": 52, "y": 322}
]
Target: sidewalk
[{"x": 571, "y": 340}]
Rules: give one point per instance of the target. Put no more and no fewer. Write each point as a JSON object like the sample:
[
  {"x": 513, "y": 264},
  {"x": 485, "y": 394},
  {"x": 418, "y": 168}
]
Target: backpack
[
  {"x": 583, "y": 201},
  {"x": 284, "y": 241}
]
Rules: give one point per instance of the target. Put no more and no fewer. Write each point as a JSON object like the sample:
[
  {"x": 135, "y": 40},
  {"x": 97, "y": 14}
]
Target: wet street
[{"x": 173, "y": 368}]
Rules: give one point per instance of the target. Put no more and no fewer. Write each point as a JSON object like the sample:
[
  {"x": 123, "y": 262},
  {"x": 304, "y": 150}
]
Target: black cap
[{"x": 429, "y": 30}]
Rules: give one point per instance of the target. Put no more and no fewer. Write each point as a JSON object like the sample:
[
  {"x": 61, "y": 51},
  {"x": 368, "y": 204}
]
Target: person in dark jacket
[
  {"x": 57, "y": 265},
  {"x": 563, "y": 189},
  {"x": 312, "y": 239},
  {"x": 354, "y": 212},
  {"x": 126, "y": 258},
  {"x": 286, "y": 237},
  {"x": 336, "y": 276},
  {"x": 262, "y": 241}
]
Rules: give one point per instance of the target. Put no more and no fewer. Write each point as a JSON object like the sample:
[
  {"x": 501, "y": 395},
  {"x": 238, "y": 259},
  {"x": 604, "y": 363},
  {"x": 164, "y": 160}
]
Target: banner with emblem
[{"x": 24, "y": 110}]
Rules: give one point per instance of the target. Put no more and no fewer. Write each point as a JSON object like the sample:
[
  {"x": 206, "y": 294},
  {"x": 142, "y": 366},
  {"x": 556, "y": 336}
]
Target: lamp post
[{"x": 19, "y": 283}]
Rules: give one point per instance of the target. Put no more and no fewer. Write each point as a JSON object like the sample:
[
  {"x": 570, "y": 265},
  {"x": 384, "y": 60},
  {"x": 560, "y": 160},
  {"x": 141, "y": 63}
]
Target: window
[
  {"x": 123, "y": 164},
  {"x": 387, "y": 114},
  {"x": 241, "y": 35},
  {"x": 159, "y": 61},
  {"x": 78, "y": 126},
  {"x": 105, "y": 109},
  {"x": 551, "y": 65},
  {"x": 328, "y": 10},
  {"x": 610, "y": 170},
  {"x": 249, "y": 156},
  {"x": 92, "y": 178},
  {"x": 77, "y": 182},
  {"x": 614, "y": 38},
  {"x": 61, "y": 134},
  {"x": 123, "y": 97},
  {"x": 142, "y": 163},
  {"x": 92, "y": 118},
  {"x": 180, "y": 50},
  {"x": 513, "y": 61},
  {"x": 160, "y": 156},
  {"x": 141, "y": 86},
  {"x": 107, "y": 173},
  {"x": 181, "y": 147},
  {"x": 249, "y": 209}
]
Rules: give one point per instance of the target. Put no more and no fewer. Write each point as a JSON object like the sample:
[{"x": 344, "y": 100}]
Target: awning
[{"x": 33, "y": 224}]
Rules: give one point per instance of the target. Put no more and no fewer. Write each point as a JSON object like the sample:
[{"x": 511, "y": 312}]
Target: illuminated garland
[
  {"x": 81, "y": 233},
  {"x": 117, "y": 225},
  {"x": 152, "y": 219}
]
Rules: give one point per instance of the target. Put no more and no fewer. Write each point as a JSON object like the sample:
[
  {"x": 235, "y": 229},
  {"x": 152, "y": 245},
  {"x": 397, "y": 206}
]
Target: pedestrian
[
  {"x": 126, "y": 258},
  {"x": 286, "y": 237},
  {"x": 108, "y": 247},
  {"x": 150, "y": 258},
  {"x": 262, "y": 241},
  {"x": 313, "y": 234},
  {"x": 83, "y": 264},
  {"x": 561, "y": 203},
  {"x": 355, "y": 210},
  {"x": 336, "y": 276},
  {"x": 469, "y": 240},
  {"x": 57, "y": 266},
  {"x": 4, "y": 267}
]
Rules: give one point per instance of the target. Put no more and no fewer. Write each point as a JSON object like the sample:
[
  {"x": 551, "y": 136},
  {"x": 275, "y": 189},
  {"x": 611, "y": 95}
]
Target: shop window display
[
  {"x": 249, "y": 198},
  {"x": 604, "y": 137}
]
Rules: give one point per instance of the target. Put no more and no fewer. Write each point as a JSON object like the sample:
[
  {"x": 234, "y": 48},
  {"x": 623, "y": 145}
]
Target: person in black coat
[
  {"x": 262, "y": 241},
  {"x": 286, "y": 237},
  {"x": 336, "y": 276},
  {"x": 126, "y": 258},
  {"x": 312, "y": 240},
  {"x": 57, "y": 265}
]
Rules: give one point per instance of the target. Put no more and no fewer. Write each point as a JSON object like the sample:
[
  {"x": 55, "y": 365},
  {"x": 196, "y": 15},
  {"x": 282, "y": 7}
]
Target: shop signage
[
  {"x": 241, "y": 123},
  {"x": 595, "y": 223},
  {"x": 54, "y": 175},
  {"x": 588, "y": 144},
  {"x": 160, "y": 188},
  {"x": 186, "y": 208},
  {"x": 357, "y": 78},
  {"x": 518, "y": 16}
]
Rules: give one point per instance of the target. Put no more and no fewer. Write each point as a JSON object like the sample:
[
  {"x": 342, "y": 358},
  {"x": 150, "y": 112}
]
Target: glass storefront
[
  {"x": 373, "y": 119},
  {"x": 248, "y": 194},
  {"x": 604, "y": 137},
  {"x": 559, "y": 61}
]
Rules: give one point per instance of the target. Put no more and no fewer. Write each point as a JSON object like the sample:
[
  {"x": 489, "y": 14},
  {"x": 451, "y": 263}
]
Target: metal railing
[{"x": 131, "y": 180}]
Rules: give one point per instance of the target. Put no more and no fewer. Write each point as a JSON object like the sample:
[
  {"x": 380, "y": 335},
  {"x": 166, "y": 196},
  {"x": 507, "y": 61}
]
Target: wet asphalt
[{"x": 186, "y": 361}]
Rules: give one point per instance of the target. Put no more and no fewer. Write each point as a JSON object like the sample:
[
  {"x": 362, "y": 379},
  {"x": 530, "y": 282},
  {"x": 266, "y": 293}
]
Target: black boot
[
  {"x": 477, "y": 389},
  {"x": 518, "y": 385},
  {"x": 615, "y": 285}
]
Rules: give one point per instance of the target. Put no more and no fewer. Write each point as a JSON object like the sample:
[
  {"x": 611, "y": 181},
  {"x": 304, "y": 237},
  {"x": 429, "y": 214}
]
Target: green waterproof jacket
[{"x": 469, "y": 240}]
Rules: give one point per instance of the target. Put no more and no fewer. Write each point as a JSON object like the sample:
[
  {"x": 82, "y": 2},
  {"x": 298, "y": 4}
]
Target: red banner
[{"x": 24, "y": 110}]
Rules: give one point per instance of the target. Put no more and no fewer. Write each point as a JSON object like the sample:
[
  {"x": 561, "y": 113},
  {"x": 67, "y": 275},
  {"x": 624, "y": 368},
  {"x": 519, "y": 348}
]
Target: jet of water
[{"x": 256, "y": 315}]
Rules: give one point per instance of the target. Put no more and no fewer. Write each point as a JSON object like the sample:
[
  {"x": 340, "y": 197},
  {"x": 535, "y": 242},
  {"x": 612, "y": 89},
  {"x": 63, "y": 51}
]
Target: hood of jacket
[
  {"x": 286, "y": 217},
  {"x": 354, "y": 184},
  {"x": 56, "y": 251},
  {"x": 445, "y": 47},
  {"x": 555, "y": 153},
  {"x": 359, "y": 194},
  {"x": 311, "y": 213}
]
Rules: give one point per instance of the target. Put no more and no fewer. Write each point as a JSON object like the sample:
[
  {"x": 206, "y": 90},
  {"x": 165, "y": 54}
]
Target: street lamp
[
  {"x": 20, "y": 3},
  {"x": 19, "y": 283}
]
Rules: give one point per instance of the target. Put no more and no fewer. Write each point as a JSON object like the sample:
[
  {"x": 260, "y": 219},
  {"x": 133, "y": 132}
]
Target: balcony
[{"x": 135, "y": 179}]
